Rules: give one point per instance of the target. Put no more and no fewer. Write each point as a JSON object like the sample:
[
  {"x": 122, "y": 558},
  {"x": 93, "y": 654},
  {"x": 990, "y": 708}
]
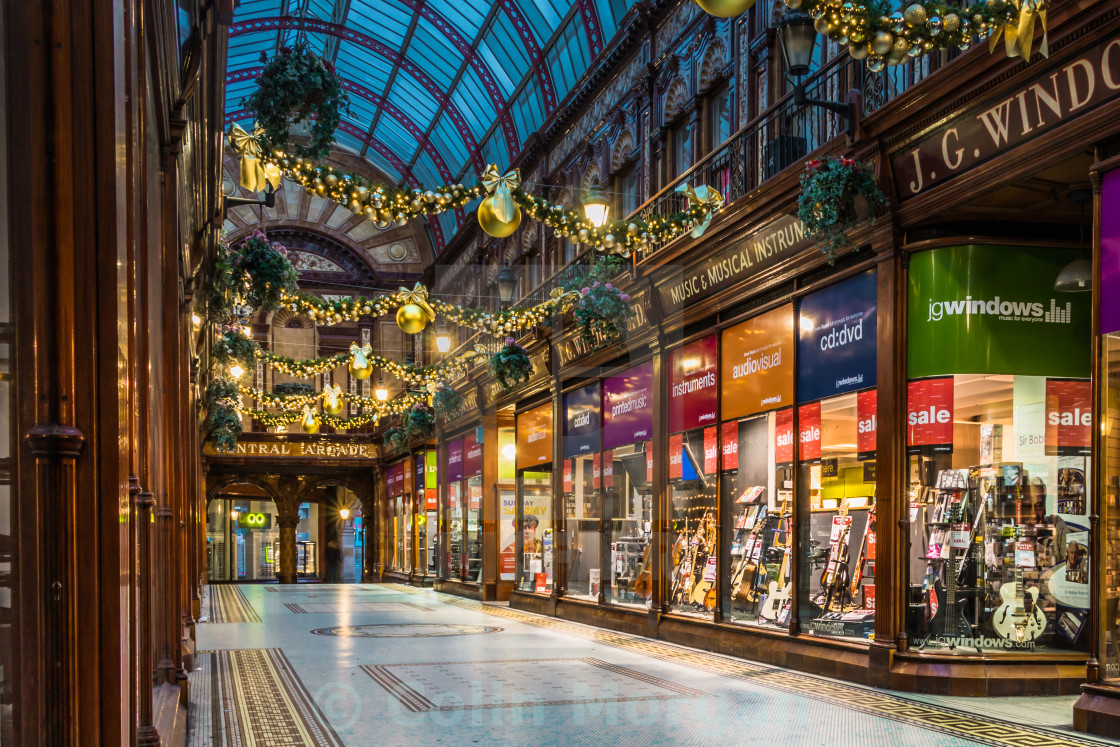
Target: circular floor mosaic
[{"x": 419, "y": 630}]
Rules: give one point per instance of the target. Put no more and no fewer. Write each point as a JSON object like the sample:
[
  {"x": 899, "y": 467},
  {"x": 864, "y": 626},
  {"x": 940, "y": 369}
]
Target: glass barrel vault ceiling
[{"x": 439, "y": 88}]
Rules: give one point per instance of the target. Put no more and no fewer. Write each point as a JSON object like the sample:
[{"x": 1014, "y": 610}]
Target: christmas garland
[
  {"x": 384, "y": 205},
  {"x": 296, "y": 402},
  {"x": 874, "y": 33}
]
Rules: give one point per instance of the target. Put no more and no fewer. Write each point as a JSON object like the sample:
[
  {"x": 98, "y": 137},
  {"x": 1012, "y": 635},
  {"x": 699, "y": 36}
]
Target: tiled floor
[{"x": 391, "y": 665}]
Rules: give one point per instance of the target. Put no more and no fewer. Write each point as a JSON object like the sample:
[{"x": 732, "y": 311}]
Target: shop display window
[
  {"x": 307, "y": 533},
  {"x": 472, "y": 511},
  {"x": 455, "y": 531},
  {"x": 757, "y": 482},
  {"x": 242, "y": 540},
  {"x": 583, "y": 509},
  {"x": 628, "y": 515},
  {"x": 1000, "y": 485},
  {"x": 530, "y": 547},
  {"x": 836, "y": 494},
  {"x": 1109, "y": 501},
  {"x": 693, "y": 521}
]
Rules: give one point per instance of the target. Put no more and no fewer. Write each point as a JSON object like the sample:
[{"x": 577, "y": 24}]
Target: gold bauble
[
  {"x": 361, "y": 194},
  {"x": 915, "y": 15},
  {"x": 359, "y": 366},
  {"x": 859, "y": 51},
  {"x": 411, "y": 318},
  {"x": 333, "y": 406},
  {"x": 331, "y": 180},
  {"x": 491, "y": 224},
  {"x": 725, "y": 8},
  {"x": 310, "y": 422},
  {"x": 583, "y": 235},
  {"x": 822, "y": 25},
  {"x": 793, "y": 4},
  {"x": 609, "y": 241},
  {"x": 952, "y": 23},
  {"x": 882, "y": 43}
]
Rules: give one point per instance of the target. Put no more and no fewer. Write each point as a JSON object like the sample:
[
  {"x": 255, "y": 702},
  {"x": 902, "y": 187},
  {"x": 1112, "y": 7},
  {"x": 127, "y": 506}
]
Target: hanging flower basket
[
  {"x": 222, "y": 426},
  {"x": 419, "y": 422},
  {"x": 394, "y": 437},
  {"x": 298, "y": 86},
  {"x": 267, "y": 272},
  {"x": 446, "y": 402},
  {"x": 837, "y": 196},
  {"x": 511, "y": 365}
]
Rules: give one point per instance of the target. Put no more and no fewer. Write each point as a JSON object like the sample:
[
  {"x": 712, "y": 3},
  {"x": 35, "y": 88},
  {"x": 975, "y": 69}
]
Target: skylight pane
[
  {"x": 527, "y": 111},
  {"x": 449, "y": 222},
  {"x": 494, "y": 150},
  {"x": 410, "y": 96},
  {"x": 386, "y": 21},
  {"x": 434, "y": 52},
  {"x": 426, "y": 171},
  {"x": 448, "y": 139},
  {"x": 250, "y": 9},
  {"x": 552, "y": 12},
  {"x": 466, "y": 17},
  {"x": 390, "y": 132}
]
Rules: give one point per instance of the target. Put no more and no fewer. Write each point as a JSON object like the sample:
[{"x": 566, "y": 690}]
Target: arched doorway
[{"x": 242, "y": 535}]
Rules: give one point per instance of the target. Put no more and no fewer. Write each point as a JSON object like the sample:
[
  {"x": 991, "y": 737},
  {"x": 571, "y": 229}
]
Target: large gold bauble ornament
[
  {"x": 359, "y": 366},
  {"x": 725, "y": 8},
  {"x": 952, "y": 23},
  {"x": 490, "y": 222},
  {"x": 310, "y": 422},
  {"x": 915, "y": 15},
  {"x": 882, "y": 43},
  {"x": 333, "y": 406},
  {"x": 411, "y": 318},
  {"x": 822, "y": 25},
  {"x": 859, "y": 51},
  {"x": 793, "y": 4}
]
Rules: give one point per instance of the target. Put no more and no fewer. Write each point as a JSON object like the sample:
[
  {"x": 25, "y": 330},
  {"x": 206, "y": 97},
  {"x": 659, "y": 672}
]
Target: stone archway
[
  {"x": 241, "y": 529},
  {"x": 364, "y": 495}
]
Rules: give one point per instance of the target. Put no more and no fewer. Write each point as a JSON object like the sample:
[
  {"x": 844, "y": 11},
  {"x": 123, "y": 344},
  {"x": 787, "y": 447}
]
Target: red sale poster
[
  {"x": 567, "y": 475},
  {"x": 608, "y": 469},
  {"x": 730, "y": 443},
  {"x": 809, "y": 427},
  {"x": 866, "y": 424},
  {"x": 596, "y": 471},
  {"x": 783, "y": 436},
  {"x": 711, "y": 450},
  {"x": 649, "y": 462},
  {"x": 676, "y": 453},
  {"x": 1069, "y": 417},
  {"x": 929, "y": 416}
]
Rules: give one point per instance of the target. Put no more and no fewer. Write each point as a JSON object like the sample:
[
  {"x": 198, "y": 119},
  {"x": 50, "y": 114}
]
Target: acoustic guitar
[
  {"x": 781, "y": 588},
  {"x": 643, "y": 582}
]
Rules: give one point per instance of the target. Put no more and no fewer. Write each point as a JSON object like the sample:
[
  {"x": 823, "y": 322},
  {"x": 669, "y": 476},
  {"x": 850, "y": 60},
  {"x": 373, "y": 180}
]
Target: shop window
[
  {"x": 431, "y": 512},
  {"x": 307, "y": 541},
  {"x": 455, "y": 546},
  {"x": 472, "y": 510},
  {"x": 758, "y": 509},
  {"x": 1109, "y": 614},
  {"x": 837, "y": 494},
  {"x": 532, "y": 542},
  {"x": 720, "y": 117},
  {"x": 242, "y": 540},
  {"x": 693, "y": 520},
  {"x": 528, "y": 541},
  {"x": 999, "y": 434},
  {"x": 582, "y": 507},
  {"x": 628, "y": 505}
]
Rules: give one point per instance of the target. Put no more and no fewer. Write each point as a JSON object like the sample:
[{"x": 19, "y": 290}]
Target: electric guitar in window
[
  {"x": 949, "y": 620},
  {"x": 868, "y": 536},
  {"x": 781, "y": 588},
  {"x": 1019, "y": 618},
  {"x": 838, "y": 583}
]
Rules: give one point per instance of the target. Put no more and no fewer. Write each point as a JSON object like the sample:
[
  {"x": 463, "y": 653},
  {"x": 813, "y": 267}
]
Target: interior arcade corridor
[{"x": 374, "y": 665}]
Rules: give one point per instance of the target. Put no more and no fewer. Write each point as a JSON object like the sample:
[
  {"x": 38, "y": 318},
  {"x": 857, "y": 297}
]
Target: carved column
[
  {"x": 287, "y": 519},
  {"x": 170, "y": 635},
  {"x": 146, "y": 733}
]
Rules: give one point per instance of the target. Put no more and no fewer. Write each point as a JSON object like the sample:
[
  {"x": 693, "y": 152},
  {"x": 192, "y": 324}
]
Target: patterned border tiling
[
  {"x": 229, "y": 605},
  {"x": 416, "y": 702},
  {"x": 361, "y": 631},
  {"x": 982, "y": 729},
  {"x": 299, "y": 609},
  {"x": 266, "y": 704}
]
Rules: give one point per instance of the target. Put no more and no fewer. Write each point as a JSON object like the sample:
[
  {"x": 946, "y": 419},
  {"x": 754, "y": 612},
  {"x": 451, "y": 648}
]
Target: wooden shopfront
[{"x": 836, "y": 444}]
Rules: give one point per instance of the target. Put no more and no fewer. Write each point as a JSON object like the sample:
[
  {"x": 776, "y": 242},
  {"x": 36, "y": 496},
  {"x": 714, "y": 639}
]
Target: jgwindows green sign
[{"x": 994, "y": 310}]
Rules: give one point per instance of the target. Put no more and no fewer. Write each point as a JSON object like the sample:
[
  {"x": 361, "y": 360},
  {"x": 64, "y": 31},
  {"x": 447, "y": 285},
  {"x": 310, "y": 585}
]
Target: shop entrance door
[{"x": 242, "y": 540}]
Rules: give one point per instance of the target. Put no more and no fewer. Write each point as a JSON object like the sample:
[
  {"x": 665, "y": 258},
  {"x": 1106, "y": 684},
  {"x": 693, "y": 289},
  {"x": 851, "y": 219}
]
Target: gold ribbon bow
[
  {"x": 255, "y": 174},
  {"x": 365, "y": 350},
  {"x": 501, "y": 185},
  {"x": 1018, "y": 33},
  {"x": 419, "y": 296},
  {"x": 557, "y": 293},
  {"x": 702, "y": 195}
]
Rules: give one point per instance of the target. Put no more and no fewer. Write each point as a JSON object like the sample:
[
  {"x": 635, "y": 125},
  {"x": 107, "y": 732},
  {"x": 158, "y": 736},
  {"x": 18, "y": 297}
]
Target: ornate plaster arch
[
  {"x": 676, "y": 97},
  {"x": 712, "y": 64},
  {"x": 230, "y": 480},
  {"x": 623, "y": 149}
]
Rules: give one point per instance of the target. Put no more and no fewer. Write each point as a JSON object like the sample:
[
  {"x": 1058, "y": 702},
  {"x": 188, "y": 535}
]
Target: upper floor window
[
  {"x": 681, "y": 143},
  {"x": 626, "y": 187},
  {"x": 719, "y": 117}
]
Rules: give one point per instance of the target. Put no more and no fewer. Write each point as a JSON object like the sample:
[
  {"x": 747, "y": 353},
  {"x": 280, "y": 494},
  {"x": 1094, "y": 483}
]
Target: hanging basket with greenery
[
  {"x": 837, "y": 196},
  {"x": 511, "y": 365},
  {"x": 394, "y": 437},
  {"x": 222, "y": 426},
  {"x": 268, "y": 273},
  {"x": 446, "y": 402},
  {"x": 419, "y": 422},
  {"x": 603, "y": 309},
  {"x": 295, "y": 86}
]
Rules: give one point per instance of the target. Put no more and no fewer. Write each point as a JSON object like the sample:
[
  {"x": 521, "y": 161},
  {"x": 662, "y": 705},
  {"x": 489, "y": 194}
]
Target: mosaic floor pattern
[
  {"x": 411, "y": 669},
  {"x": 229, "y": 605}
]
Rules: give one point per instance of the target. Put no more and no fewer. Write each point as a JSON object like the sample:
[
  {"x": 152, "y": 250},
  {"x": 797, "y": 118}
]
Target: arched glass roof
[{"x": 438, "y": 88}]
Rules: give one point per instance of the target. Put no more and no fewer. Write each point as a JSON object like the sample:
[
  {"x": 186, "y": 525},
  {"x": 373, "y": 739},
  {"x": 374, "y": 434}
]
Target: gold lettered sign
[
  {"x": 574, "y": 346},
  {"x": 296, "y": 450}
]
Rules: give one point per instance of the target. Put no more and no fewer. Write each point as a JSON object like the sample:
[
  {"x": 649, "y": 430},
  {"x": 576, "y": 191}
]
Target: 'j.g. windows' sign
[{"x": 1059, "y": 95}]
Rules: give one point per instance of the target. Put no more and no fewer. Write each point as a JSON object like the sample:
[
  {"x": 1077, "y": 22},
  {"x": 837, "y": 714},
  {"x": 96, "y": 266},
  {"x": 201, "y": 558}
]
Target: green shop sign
[{"x": 993, "y": 310}]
